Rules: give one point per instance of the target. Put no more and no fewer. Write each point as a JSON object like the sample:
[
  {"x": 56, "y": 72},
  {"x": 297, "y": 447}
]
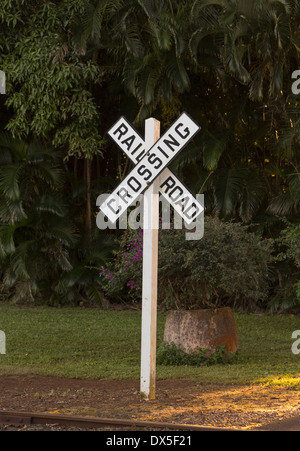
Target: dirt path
[{"x": 177, "y": 401}]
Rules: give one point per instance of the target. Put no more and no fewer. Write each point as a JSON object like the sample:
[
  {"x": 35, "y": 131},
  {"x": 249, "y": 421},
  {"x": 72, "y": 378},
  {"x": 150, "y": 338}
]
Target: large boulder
[{"x": 205, "y": 329}]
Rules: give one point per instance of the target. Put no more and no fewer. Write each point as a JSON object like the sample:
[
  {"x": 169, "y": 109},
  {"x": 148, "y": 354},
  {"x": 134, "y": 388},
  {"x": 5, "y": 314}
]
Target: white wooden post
[{"x": 150, "y": 264}]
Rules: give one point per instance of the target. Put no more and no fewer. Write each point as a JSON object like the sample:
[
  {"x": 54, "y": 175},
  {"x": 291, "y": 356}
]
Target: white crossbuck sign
[
  {"x": 151, "y": 157},
  {"x": 149, "y": 165}
]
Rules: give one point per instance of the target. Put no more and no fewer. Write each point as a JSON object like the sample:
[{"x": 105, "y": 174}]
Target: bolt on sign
[{"x": 151, "y": 176}]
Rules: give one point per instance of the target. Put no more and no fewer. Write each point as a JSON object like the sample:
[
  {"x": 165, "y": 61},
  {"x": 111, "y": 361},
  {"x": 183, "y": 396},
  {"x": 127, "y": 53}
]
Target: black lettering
[
  {"x": 169, "y": 183},
  {"x": 137, "y": 148},
  {"x": 134, "y": 184},
  {"x": 175, "y": 198},
  {"x": 183, "y": 202},
  {"x": 140, "y": 156},
  {"x": 154, "y": 160},
  {"x": 122, "y": 130},
  {"x": 129, "y": 141},
  {"x": 123, "y": 194},
  {"x": 111, "y": 208},
  {"x": 187, "y": 131},
  {"x": 195, "y": 212},
  {"x": 172, "y": 142},
  {"x": 143, "y": 170},
  {"x": 163, "y": 152}
]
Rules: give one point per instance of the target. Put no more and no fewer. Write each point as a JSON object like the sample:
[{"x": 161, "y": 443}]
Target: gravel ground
[{"x": 177, "y": 401}]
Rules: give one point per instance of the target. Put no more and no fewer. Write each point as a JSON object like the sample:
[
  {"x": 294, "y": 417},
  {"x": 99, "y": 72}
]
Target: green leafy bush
[
  {"x": 170, "y": 354},
  {"x": 291, "y": 239},
  {"x": 287, "y": 295},
  {"x": 229, "y": 266}
]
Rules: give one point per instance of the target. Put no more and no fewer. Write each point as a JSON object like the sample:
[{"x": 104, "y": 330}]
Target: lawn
[{"x": 92, "y": 343}]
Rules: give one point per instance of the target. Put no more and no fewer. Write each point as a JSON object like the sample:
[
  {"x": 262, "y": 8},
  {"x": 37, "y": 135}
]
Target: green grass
[{"x": 91, "y": 343}]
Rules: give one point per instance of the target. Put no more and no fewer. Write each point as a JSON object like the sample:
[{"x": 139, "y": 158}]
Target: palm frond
[
  {"x": 287, "y": 203},
  {"x": 252, "y": 196},
  {"x": 212, "y": 148},
  {"x": 10, "y": 181},
  {"x": 176, "y": 72},
  {"x": 7, "y": 245},
  {"x": 52, "y": 203},
  {"x": 227, "y": 187},
  {"x": 284, "y": 205},
  {"x": 16, "y": 147}
]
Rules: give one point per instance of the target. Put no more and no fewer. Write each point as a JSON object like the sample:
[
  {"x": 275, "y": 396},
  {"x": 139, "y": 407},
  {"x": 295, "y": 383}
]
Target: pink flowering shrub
[
  {"x": 229, "y": 266},
  {"x": 123, "y": 281}
]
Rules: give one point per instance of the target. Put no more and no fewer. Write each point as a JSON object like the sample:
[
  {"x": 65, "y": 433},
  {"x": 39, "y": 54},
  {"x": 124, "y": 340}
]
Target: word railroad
[{"x": 151, "y": 164}]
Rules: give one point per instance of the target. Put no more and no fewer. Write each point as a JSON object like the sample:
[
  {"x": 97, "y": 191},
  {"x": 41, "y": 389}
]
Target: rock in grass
[{"x": 209, "y": 329}]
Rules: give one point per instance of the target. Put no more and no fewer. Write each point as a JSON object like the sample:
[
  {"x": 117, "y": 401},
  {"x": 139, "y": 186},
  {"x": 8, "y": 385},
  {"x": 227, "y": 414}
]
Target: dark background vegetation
[{"x": 73, "y": 68}]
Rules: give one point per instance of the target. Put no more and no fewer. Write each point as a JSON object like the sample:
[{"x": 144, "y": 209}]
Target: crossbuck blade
[{"x": 151, "y": 163}]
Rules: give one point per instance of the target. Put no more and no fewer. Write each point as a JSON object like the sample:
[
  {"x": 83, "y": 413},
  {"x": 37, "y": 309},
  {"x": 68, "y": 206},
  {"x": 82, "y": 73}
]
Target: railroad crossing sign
[
  {"x": 151, "y": 175},
  {"x": 149, "y": 165}
]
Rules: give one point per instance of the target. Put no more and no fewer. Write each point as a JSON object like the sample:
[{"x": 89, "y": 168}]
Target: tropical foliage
[
  {"x": 43, "y": 255},
  {"x": 229, "y": 266},
  {"x": 74, "y": 66}
]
